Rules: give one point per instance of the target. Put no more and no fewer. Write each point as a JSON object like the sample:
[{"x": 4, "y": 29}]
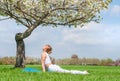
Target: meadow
[{"x": 97, "y": 73}]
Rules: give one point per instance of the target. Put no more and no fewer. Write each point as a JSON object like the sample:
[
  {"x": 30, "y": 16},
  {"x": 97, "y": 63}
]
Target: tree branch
[
  {"x": 73, "y": 20},
  {"x": 64, "y": 8},
  {"x": 66, "y": 23},
  {"x": 27, "y": 20},
  {"x": 25, "y": 12},
  {"x": 9, "y": 13}
]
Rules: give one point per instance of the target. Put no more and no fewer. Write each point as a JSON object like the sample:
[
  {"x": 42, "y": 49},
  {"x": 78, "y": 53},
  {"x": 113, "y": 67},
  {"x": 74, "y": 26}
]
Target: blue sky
[{"x": 92, "y": 41}]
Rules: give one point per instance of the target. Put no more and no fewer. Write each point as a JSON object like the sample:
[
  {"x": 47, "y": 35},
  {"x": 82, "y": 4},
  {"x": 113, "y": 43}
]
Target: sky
[{"x": 94, "y": 40}]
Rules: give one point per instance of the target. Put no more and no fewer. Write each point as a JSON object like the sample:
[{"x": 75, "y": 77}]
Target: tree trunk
[{"x": 20, "y": 51}]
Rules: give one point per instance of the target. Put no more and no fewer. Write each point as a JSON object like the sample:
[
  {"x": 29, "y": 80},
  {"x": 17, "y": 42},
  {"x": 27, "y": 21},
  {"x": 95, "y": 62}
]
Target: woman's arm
[{"x": 43, "y": 57}]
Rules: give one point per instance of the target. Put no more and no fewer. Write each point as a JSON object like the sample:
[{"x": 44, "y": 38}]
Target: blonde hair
[{"x": 48, "y": 47}]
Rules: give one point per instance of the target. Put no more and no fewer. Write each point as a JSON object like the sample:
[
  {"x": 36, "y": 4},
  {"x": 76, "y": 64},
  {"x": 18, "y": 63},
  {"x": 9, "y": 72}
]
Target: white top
[{"x": 47, "y": 60}]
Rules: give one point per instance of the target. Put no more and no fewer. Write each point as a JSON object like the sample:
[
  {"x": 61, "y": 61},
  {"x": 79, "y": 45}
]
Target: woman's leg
[
  {"x": 56, "y": 68},
  {"x": 78, "y": 72}
]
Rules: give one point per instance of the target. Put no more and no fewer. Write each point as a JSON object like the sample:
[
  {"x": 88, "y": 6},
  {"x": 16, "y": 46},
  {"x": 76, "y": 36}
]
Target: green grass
[{"x": 97, "y": 73}]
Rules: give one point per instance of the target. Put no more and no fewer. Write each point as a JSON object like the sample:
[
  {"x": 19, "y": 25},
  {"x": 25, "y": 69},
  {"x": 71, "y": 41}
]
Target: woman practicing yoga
[{"x": 47, "y": 64}]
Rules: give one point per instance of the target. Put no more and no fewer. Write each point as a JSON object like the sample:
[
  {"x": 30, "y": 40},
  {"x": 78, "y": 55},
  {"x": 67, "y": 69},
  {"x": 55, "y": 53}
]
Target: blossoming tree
[{"x": 32, "y": 13}]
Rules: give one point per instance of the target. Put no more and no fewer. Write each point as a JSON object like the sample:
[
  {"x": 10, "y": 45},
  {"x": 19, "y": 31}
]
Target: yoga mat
[{"x": 31, "y": 70}]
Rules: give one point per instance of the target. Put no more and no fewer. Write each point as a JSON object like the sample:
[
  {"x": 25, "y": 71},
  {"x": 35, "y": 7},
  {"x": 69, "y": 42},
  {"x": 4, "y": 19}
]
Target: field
[{"x": 97, "y": 73}]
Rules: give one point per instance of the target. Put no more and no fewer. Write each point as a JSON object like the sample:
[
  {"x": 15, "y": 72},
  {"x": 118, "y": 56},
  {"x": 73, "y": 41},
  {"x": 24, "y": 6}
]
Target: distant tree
[
  {"x": 32, "y": 13},
  {"x": 92, "y": 61},
  {"x": 74, "y": 56},
  {"x": 117, "y": 62},
  {"x": 7, "y": 60},
  {"x": 107, "y": 61},
  {"x": 84, "y": 61}
]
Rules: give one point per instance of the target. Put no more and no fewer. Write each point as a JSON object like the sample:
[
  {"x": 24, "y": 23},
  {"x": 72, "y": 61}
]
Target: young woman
[{"x": 47, "y": 64}]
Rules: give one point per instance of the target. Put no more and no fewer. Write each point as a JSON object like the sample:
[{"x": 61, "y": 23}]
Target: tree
[
  {"x": 32, "y": 13},
  {"x": 74, "y": 56},
  {"x": 117, "y": 62}
]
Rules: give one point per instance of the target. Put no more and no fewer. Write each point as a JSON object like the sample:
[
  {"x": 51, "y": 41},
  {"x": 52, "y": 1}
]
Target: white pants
[{"x": 56, "y": 68}]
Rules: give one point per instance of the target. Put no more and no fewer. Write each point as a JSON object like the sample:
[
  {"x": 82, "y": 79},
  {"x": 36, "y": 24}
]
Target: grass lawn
[{"x": 97, "y": 73}]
